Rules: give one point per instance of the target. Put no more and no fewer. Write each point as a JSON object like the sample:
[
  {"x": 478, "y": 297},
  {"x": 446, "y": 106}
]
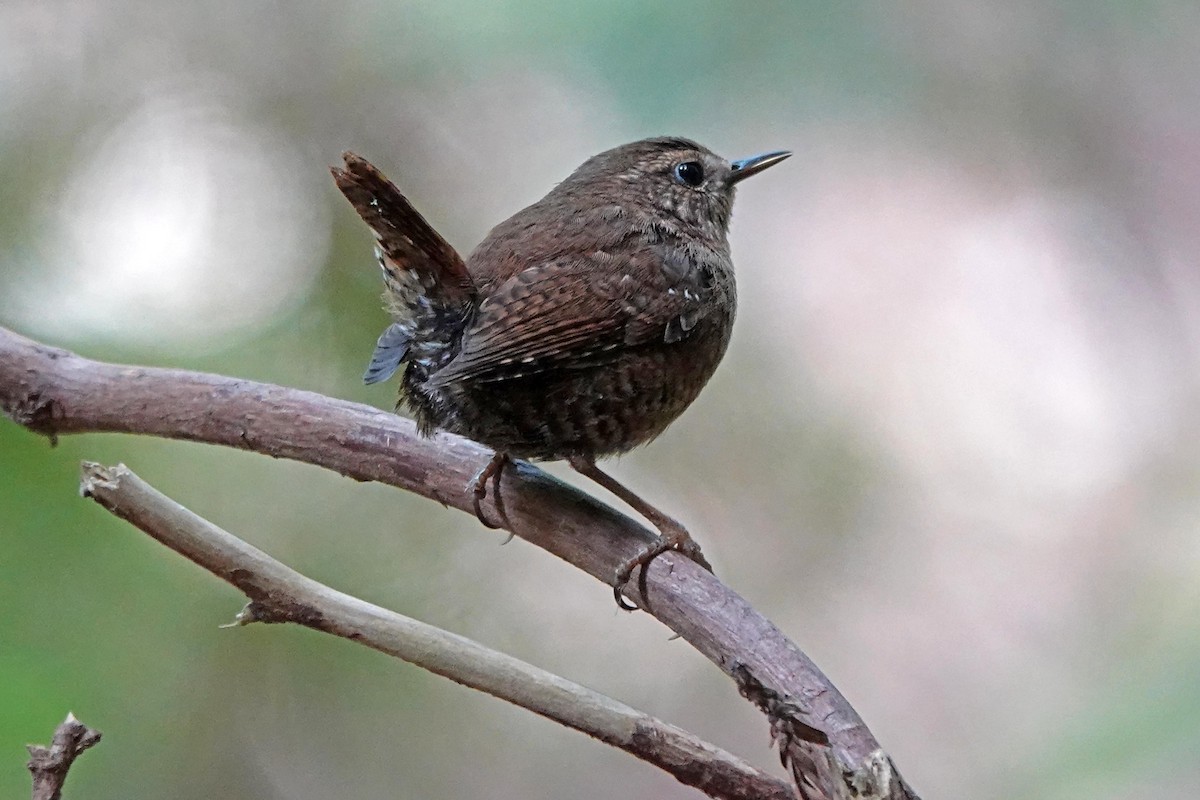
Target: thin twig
[
  {"x": 278, "y": 593},
  {"x": 50, "y": 765},
  {"x": 53, "y": 392}
]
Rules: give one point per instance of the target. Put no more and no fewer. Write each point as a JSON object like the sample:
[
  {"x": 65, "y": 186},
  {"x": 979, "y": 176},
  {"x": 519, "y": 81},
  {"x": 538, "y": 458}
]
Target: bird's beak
[{"x": 753, "y": 165}]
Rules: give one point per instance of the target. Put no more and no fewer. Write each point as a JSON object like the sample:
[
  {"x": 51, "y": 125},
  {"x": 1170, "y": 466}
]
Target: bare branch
[
  {"x": 278, "y": 593},
  {"x": 52, "y": 392},
  {"x": 50, "y": 765}
]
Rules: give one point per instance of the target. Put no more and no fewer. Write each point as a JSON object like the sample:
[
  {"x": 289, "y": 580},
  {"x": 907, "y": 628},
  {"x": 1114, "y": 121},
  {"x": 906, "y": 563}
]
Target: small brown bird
[{"x": 581, "y": 327}]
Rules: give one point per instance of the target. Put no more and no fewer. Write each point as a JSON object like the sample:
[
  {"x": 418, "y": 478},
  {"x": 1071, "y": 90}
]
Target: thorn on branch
[{"x": 50, "y": 765}]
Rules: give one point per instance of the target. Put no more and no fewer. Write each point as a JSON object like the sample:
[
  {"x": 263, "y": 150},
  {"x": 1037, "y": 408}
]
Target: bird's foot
[
  {"x": 674, "y": 537},
  {"x": 479, "y": 488}
]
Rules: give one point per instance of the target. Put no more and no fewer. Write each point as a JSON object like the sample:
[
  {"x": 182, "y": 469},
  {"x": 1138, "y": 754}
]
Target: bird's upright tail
[{"x": 427, "y": 287}]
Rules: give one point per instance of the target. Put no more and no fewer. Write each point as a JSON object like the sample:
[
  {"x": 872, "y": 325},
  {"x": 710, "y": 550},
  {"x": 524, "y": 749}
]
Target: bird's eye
[{"x": 689, "y": 173}]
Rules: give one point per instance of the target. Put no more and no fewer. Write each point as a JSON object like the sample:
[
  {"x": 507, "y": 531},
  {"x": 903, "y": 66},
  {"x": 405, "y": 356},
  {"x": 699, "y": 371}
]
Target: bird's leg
[
  {"x": 674, "y": 535},
  {"x": 492, "y": 471}
]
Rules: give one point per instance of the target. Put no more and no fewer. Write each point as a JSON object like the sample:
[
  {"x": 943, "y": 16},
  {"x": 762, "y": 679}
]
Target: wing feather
[{"x": 568, "y": 314}]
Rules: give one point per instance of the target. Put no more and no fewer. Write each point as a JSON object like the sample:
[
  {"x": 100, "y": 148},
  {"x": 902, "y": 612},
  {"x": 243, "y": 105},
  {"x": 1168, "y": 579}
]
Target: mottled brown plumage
[{"x": 582, "y": 326}]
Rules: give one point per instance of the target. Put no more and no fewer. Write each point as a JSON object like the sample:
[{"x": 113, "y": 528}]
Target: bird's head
[{"x": 674, "y": 179}]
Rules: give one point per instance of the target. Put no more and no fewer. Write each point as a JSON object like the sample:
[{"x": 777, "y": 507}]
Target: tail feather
[
  {"x": 427, "y": 285},
  {"x": 390, "y": 352},
  {"x": 406, "y": 240}
]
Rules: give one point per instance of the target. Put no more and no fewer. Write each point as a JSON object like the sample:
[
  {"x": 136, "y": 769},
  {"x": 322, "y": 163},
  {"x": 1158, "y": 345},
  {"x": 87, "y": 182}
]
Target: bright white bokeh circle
[{"x": 186, "y": 222}]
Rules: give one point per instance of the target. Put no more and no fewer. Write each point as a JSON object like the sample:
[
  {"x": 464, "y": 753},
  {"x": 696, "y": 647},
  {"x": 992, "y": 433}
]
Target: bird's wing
[{"x": 575, "y": 313}]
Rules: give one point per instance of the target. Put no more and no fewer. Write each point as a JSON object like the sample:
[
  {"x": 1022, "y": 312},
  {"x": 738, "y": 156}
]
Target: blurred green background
[{"x": 952, "y": 450}]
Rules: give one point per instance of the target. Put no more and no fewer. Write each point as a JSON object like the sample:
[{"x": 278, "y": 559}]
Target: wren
[{"x": 580, "y": 328}]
